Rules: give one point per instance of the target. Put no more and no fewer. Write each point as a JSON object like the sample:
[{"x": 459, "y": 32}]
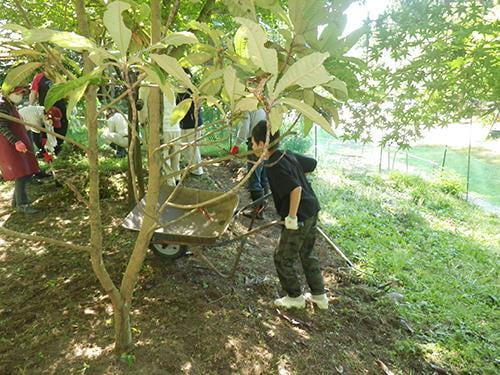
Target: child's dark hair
[{"x": 259, "y": 134}]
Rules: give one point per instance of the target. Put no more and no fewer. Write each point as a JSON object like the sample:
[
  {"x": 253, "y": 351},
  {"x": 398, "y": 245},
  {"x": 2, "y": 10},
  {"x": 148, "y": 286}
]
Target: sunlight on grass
[{"x": 439, "y": 250}]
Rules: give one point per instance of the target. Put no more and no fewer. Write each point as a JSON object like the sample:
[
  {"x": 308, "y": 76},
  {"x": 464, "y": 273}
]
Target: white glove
[{"x": 291, "y": 223}]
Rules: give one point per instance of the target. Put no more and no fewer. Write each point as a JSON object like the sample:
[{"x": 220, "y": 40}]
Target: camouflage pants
[{"x": 295, "y": 244}]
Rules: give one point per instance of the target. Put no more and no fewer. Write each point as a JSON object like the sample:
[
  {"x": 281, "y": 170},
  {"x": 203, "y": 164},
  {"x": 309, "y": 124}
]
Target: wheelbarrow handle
[{"x": 252, "y": 204}]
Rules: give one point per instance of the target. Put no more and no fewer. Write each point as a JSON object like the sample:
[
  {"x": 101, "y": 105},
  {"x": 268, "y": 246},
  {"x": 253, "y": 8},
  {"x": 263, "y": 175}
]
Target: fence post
[
  {"x": 315, "y": 142},
  {"x": 380, "y": 160},
  {"x": 444, "y": 158},
  {"x": 468, "y": 160}
]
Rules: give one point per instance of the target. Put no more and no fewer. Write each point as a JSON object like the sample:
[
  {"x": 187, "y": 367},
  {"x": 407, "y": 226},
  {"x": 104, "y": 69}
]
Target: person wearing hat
[
  {"x": 17, "y": 158},
  {"x": 39, "y": 88}
]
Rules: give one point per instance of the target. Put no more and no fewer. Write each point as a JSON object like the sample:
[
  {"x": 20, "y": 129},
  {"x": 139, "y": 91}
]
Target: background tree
[{"x": 432, "y": 62}]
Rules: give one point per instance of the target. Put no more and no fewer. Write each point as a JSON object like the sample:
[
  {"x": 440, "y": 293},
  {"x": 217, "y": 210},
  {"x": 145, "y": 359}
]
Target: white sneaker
[
  {"x": 320, "y": 300},
  {"x": 290, "y": 302}
]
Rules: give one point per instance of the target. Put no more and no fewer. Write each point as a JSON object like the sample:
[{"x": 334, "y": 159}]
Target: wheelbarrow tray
[{"x": 201, "y": 227}]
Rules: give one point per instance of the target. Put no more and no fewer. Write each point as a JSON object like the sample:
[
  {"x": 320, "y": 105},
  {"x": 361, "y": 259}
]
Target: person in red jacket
[{"x": 17, "y": 157}]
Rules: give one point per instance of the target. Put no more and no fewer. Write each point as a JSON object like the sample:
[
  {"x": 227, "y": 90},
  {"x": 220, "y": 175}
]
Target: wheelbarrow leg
[{"x": 197, "y": 251}]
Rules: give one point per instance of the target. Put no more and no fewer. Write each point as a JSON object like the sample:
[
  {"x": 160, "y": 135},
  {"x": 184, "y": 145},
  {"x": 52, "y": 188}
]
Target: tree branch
[
  {"x": 39, "y": 128},
  {"x": 173, "y": 13},
  {"x": 29, "y": 237}
]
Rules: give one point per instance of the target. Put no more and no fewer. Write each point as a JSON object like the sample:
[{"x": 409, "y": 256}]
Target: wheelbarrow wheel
[{"x": 169, "y": 251}]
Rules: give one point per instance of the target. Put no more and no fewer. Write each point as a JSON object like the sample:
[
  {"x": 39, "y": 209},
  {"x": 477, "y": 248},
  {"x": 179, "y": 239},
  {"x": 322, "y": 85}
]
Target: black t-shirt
[
  {"x": 285, "y": 171},
  {"x": 188, "y": 121}
]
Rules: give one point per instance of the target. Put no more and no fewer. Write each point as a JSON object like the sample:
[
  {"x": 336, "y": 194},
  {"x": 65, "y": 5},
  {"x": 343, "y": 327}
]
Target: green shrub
[
  {"x": 297, "y": 143},
  {"x": 449, "y": 184}
]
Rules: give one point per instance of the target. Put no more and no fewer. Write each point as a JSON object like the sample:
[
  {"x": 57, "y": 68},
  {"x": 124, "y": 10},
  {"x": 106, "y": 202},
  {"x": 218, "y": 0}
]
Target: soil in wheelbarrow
[{"x": 55, "y": 319}]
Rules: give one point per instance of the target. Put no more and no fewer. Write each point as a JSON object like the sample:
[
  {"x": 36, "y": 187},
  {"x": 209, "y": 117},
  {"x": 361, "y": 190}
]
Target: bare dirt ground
[{"x": 55, "y": 318}]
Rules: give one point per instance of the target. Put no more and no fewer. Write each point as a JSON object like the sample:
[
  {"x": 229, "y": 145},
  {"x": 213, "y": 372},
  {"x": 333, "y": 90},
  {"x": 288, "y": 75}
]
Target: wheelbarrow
[{"x": 182, "y": 230}]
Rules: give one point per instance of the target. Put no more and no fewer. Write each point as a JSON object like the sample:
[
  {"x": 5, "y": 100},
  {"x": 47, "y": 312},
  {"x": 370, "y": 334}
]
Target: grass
[{"x": 437, "y": 251}]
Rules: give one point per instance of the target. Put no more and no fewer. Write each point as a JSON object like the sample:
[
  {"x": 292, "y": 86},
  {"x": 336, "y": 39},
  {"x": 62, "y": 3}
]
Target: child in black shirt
[{"x": 296, "y": 203}]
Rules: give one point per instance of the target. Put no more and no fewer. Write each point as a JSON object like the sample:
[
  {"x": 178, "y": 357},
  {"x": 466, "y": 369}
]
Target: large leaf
[
  {"x": 61, "y": 38},
  {"x": 308, "y": 124},
  {"x": 113, "y": 21},
  {"x": 272, "y": 5},
  {"x": 62, "y": 90},
  {"x": 350, "y": 40},
  {"x": 246, "y": 104},
  {"x": 254, "y": 37},
  {"x": 100, "y": 55},
  {"x": 234, "y": 88},
  {"x": 180, "y": 111},
  {"x": 241, "y": 8},
  {"x": 18, "y": 76},
  {"x": 173, "y": 68},
  {"x": 215, "y": 35},
  {"x": 74, "y": 97},
  {"x": 276, "y": 117},
  {"x": 308, "y": 112},
  {"x": 154, "y": 76},
  {"x": 307, "y": 15},
  {"x": 307, "y": 72},
  {"x": 338, "y": 88},
  {"x": 179, "y": 38},
  {"x": 212, "y": 81},
  {"x": 197, "y": 58}
]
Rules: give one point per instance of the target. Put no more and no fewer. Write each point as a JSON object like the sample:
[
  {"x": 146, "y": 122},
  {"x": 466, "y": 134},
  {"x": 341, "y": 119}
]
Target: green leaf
[
  {"x": 215, "y": 35},
  {"x": 309, "y": 97},
  {"x": 276, "y": 118},
  {"x": 14, "y": 27},
  {"x": 350, "y": 40},
  {"x": 241, "y": 8},
  {"x": 19, "y": 76},
  {"x": 100, "y": 55},
  {"x": 180, "y": 111},
  {"x": 234, "y": 88},
  {"x": 306, "y": 16},
  {"x": 246, "y": 104},
  {"x": 264, "y": 58},
  {"x": 173, "y": 68},
  {"x": 153, "y": 76},
  {"x": 179, "y": 38},
  {"x": 329, "y": 36},
  {"x": 197, "y": 58},
  {"x": 307, "y": 72},
  {"x": 212, "y": 81},
  {"x": 308, "y": 124},
  {"x": 308, "y": 112},
  {"x": 61, "y": 38},
  {"x": 74, "y": 97},
  {"x": 61, "y": 90},
  {"x": 338, "y": 88},
  {"x": 273, "y": 5},
  {"x": 113, "y": 21}
]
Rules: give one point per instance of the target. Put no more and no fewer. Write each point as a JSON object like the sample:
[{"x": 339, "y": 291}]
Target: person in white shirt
[
  {"x": 35, "y": 114},
  {"x": 171, "y": 156},
  {"x": 258, "y": 184},
  {"x": 116, "y": 132}
]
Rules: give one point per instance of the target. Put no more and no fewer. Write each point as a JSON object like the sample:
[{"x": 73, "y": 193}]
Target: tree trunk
[
  {"x": 138, "y": 167},
  {"x": 122, "y": 324},
  {"x": 123, "y": 334},
  {"x": 151, "y": 212}
]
